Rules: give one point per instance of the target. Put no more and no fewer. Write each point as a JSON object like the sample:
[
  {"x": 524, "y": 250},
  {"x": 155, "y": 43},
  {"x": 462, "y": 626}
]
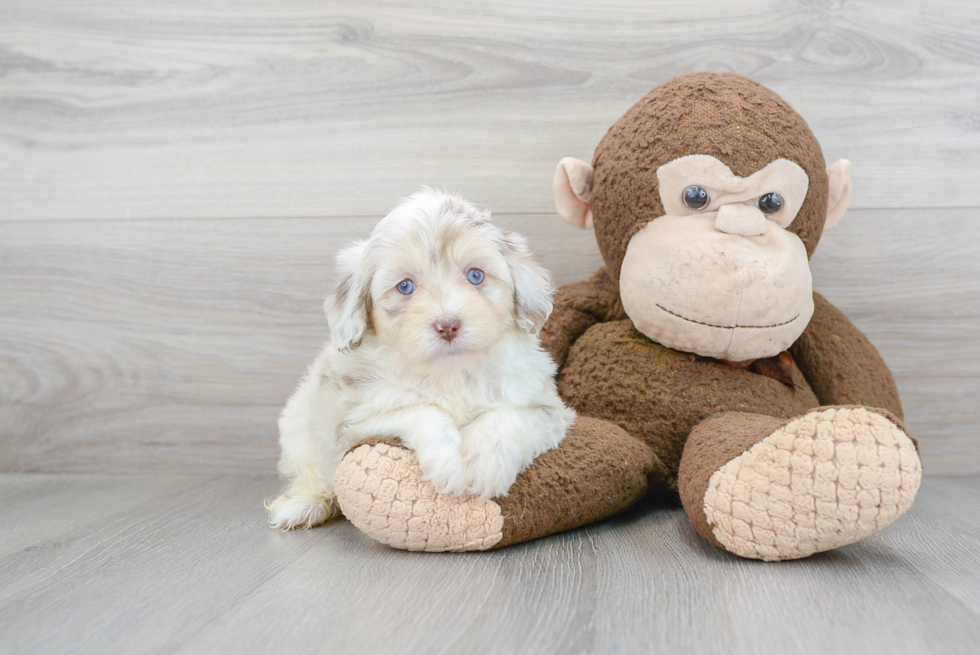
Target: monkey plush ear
[
  {"x": 573, "y": 192},
  {"x": 839, "y": 192}
]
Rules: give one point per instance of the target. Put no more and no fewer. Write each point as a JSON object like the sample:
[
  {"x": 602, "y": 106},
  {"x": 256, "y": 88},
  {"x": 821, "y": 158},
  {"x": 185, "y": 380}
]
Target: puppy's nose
[{"x": 447, "y": 327}]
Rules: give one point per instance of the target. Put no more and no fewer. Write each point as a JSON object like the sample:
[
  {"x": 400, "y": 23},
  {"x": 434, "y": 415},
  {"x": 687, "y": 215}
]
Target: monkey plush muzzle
[{"x": 700, "y": 284}]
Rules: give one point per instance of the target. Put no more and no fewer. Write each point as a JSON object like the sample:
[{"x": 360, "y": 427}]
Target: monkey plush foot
[
  {"x": 772, "y": 489},
  {"x": 381, "y": 491},
  {"x": 598, "y": 470}
]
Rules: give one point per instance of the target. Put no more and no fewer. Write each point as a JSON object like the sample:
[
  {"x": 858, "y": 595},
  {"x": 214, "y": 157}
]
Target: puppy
[{"x": 433, "y": 339}]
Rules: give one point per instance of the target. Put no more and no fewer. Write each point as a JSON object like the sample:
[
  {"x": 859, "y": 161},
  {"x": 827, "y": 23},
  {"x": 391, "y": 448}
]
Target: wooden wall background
[{"x": 175, "y": 178}]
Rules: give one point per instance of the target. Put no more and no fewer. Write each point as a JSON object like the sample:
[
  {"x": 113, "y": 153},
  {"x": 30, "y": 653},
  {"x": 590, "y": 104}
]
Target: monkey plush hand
[{"x": 699, "y": 359}]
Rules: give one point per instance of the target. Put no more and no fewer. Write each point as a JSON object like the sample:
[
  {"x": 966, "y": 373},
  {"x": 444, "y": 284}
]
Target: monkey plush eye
[
  {"x": 474, "y": 276},
  {"x": 770, "y": 203},
  {"x": 695, "y": 197},
  {"x": 406, "y": 287}
]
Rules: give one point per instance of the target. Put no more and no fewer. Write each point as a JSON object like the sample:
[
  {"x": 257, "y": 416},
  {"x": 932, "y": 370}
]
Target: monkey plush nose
[
  {"x": 447, "y": 328},
  {"x": 744, "y": 220}
]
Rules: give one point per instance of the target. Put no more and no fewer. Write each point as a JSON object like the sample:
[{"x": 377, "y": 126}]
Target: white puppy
[{"x": 433, "y": 340}]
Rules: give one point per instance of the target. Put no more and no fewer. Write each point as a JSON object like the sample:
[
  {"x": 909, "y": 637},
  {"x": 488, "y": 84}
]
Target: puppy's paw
[
  {"x": 442, "y": 465},
  {"x": 445, "y": 474},
  {"x": 491, "y": 468},
  {"x": 289, "y": 513}
]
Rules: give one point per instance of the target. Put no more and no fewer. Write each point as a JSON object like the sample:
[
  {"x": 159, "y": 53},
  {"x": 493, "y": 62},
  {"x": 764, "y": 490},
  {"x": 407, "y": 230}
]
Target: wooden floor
[{"x": 181, "y": 564}]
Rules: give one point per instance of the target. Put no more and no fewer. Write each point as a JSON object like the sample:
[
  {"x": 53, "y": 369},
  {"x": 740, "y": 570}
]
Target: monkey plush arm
[
  {"x": 841, "y": 365},
  {"x": 579, "y": 306}
]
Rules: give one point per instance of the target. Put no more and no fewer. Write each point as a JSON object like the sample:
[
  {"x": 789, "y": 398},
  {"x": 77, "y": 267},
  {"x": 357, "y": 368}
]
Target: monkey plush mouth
[
  {"x": 689, "y": 286},
  {"x": 726, "y": 327}
]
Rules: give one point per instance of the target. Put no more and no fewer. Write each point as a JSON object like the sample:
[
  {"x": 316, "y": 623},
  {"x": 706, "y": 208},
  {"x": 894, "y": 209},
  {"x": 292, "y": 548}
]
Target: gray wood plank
[
  {"x": 122, "y": 573},
  {"x": 195, "y": 569},
  {"x": 37, "y": 507},
  {"x": 910, "y": 279},
  {"x": 114, "y": 109},
  {"x": 932, "y": 538},
  {"x": 172, "y": 345}
]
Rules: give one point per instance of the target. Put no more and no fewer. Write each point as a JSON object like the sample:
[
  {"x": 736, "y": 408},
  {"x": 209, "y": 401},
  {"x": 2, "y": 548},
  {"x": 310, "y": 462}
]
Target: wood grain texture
[
  {"x": 188, "y": 565},
  {"x": 172, "y": 345},
  {"x": 910, "y": 279},
  {"x": 133, "y": 109}
]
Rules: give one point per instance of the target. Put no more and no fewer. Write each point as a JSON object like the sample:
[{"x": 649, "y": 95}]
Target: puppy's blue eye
[
  {"x": 474, "y": 275},
  {"x": 406, "y": 287}
]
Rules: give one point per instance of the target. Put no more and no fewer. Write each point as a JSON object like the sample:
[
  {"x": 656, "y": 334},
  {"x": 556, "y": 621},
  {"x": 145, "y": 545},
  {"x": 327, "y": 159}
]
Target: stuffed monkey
[{"x": 699, "y": 359}]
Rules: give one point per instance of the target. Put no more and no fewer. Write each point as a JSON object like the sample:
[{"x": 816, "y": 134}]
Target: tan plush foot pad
[
  {"x": 381, "y": 491},
  {"x": 824, "y": 480}
]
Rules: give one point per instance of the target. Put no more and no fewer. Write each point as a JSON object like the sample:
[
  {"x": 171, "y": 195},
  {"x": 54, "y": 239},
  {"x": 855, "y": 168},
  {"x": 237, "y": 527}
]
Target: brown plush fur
[
  {"x": 655, "y": 400},
  {"x": 721, "y": 438},
  {"x": 658, "y": 395},
  {"x": 579, "y": 306},
  {"x": 713, "y": 443},
  {"x": 727, "y": 116},
  {"x": 842, "y": 365},
  {"x": 599, "y": 470}
]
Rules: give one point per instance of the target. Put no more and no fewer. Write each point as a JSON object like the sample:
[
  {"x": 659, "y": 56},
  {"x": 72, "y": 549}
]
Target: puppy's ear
[
  {"x": 532, "y": 284},
  {"x": 347, "y": 309}
]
